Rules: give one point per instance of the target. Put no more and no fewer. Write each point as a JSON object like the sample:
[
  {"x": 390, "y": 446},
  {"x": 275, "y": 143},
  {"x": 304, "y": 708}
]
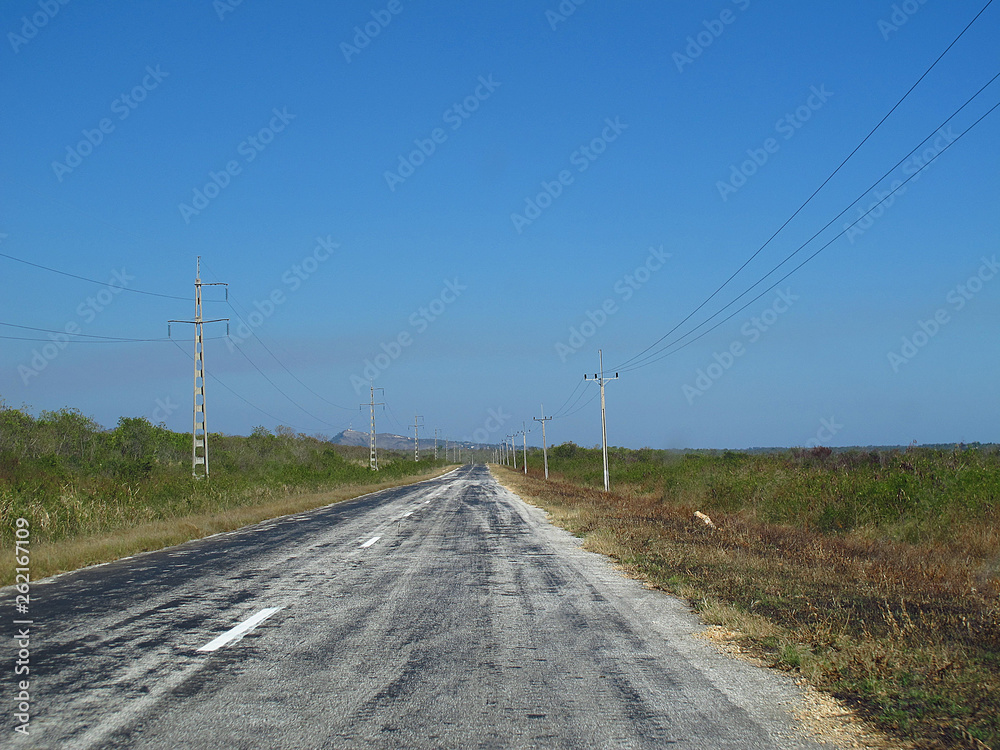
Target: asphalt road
[{"x": 447, "y": 614}]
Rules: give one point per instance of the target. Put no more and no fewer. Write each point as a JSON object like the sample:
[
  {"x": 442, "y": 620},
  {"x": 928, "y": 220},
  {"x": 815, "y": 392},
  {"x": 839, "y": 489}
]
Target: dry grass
[
  {"x": 72, "y": 554},
  {"x": 908, "y": 634}
]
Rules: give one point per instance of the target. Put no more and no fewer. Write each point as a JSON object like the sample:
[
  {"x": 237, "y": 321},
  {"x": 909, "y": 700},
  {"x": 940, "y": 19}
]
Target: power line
[
  {"x": 275, "y": 386},
  {"x": 572, "y": 408},
  {"x": 556, "y": 412},
  {"x": 278, "y": 360},
  {"x": 392, "y": 416},
  {"x": 642, "y": 361},
  {"x": 216, "y": 378},
  {"x": 104, "y": 339},
  {"x": 92, "y": 281},
  {"x": 582, "y": 406},
  {"x": 99, "y": 339},
  {"x": 232, "y": 302},
  {"x": 821, "y": 249},
  {"x": 814, "y": 193}
]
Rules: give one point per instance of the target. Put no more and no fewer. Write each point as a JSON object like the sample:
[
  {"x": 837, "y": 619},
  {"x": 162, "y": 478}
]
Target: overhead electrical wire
[
  {"x": 818, "y": 251},
  {"x": 565, "y": 411},
  {"x": 216, "y": 379},
  {"x": 559, "y": 411},
  {"x": 585, "y": 404},
  {"x": 278, "y": 360},
  {"x": 392, "y": 416},
  {"x": 92, "y": 281},
  {"x": 102, "y": 339},
  {"x": 233, "y": 303},
  {"x": 275, "y": 386},
  {"x": 621, "y": 366},
  {"x": 661, "y": 352},
  {"x": 637, "y": 362}
]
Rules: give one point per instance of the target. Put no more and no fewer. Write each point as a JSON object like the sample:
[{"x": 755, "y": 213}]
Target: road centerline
[
  {"x": 370, "y": 542},
  {"x": 237, "y": 632}
]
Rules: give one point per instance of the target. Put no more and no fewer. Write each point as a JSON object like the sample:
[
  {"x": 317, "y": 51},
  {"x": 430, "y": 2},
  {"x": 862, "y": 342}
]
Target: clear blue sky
[{"x": 414, "y": 139}]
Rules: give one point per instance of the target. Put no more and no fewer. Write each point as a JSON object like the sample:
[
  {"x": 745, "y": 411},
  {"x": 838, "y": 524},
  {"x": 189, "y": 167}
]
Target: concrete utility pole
[
  {"x": 524, "y": 432},
  {"x": 199, "y": 432},
  {"x": 416, "y": 437},
  {"x": 599, "y": 378},
  {"x": 545, "y": 450},
  {"x": 435, "y": 444},
  {"x": 372, "y": 454},
  {"x": 513, "y": 450}
]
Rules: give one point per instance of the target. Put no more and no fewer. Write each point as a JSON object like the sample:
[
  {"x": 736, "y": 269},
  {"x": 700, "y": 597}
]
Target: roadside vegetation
[
  {"x": 91, "y": 494},
  {"x": 873, "y": 574}
]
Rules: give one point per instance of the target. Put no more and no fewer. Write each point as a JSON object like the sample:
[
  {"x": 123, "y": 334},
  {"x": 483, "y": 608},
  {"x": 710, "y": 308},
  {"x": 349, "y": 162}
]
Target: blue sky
[{"x": 476, "y": 197}]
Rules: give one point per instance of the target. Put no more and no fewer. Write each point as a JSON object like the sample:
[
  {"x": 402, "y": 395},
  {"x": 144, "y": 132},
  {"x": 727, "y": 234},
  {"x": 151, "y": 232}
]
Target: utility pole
[
  {"x": 513, "y": 450},
  {"x": 545, "y": 450},
  {"x": 524, "y": 431},
  {"x": 435, "y": 444},
  {"x": 604, "y": 426},
  {"x": 199, "y": 432},
  {"x": 372, "y": 453},
  {"x": 416, "y": 437}
]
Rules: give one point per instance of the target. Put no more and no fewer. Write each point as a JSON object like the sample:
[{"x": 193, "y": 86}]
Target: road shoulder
[{"x": 817, "y": 716}]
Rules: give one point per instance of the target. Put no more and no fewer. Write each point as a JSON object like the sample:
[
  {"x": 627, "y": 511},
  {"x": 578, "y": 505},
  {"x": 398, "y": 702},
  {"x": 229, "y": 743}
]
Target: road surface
[{"x": 446, "y": 614}]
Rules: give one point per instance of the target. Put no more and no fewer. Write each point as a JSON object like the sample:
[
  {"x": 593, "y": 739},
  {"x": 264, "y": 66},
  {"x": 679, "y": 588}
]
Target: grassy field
[
  {"x": 92, "y": 495},
  {"x": 874, "y": 575}
]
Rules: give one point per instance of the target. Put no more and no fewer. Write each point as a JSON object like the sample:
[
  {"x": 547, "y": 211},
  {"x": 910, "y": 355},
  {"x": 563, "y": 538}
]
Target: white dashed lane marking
[
  {"x": 234, "y": 634},
  {"x": 370, "y": 542}
]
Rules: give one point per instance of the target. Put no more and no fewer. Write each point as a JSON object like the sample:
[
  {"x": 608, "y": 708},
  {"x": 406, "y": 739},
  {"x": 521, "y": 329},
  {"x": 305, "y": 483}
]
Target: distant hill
[
  {"x": 385, "y": 440},
  {"x": 392, "y": 442}
]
